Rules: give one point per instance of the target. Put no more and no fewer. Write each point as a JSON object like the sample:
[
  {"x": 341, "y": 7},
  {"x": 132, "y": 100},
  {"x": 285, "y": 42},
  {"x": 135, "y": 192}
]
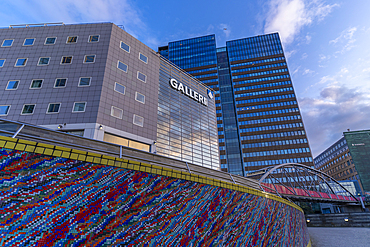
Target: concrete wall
[
  {"x": 53, "y": 195},
  {"x": 338, "y": 220}
]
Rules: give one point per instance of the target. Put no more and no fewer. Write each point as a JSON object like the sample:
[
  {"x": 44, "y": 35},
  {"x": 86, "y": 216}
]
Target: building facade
[
  {"x": 337, "y": 162},
  {"x": 258, "y": 118},
  {"x": 98, "y": 81},
  {"x": 359, "y": 146}
]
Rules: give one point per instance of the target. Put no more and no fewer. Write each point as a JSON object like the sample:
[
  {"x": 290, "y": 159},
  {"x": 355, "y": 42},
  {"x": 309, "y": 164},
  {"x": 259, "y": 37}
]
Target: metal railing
[{"x": 40, "y": 134}]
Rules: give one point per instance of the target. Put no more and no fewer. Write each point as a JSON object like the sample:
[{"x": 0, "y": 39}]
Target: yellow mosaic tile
[
  {"x": 20, "y": 147},
  {"x": 48, "y": 151}
]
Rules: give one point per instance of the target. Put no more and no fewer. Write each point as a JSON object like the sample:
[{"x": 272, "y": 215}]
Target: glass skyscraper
[{"x": 258, "y": 118}]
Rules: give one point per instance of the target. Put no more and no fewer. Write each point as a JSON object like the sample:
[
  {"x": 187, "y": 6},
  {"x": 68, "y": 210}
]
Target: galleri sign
[{"x": 188, "y": 92}]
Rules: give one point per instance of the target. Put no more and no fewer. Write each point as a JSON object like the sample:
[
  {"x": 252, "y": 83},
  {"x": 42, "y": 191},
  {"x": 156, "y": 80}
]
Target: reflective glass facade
[
  {"x": 359, "y": 146},
  {"x": 258, "y": 118},
  {"x": 186, "y": 128},
  {"x": 192, "y": 53}
]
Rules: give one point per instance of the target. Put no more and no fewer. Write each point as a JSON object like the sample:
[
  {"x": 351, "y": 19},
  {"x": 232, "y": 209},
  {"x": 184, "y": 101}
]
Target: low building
[
  {"x": 359, "y": 146},
  {"x": 337, "y": 161},
  {"x": 97, "y": 81}
]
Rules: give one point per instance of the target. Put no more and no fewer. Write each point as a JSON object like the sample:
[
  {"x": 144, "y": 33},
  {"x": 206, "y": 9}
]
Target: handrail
[{"x": 176, "y": 165}]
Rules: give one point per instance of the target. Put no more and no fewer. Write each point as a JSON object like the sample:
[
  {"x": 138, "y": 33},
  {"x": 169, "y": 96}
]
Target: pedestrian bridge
[{"x": 297, "y": 182}]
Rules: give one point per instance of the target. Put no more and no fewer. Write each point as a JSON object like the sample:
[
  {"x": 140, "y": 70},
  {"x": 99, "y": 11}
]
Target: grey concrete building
[{"x": 98, "y": 81}]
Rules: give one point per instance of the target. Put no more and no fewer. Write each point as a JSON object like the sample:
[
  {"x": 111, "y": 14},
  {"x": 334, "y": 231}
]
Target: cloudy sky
[{"x": 326, "y": 43}]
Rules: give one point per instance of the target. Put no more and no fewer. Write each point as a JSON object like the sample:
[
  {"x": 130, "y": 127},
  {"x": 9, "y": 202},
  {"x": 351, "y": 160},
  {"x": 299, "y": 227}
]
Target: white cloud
[
  {"x": 226, "y": 29},
  {"x": 308, "y": 39},
  {"x": 288, "y": 54},
  {"x": 120, "y": 12},
  {"x": 322, "y": 57},
  {"x": 337, "y": 109},
  {"x": 288, "y": 17},
  {"x": 304, "y": 56},
  {"x": 308, "y": 71},
  {"x": 346, "y": 40},
  {"x": 296, "y": 70}
]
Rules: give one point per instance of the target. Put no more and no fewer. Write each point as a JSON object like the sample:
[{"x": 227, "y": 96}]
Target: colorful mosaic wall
[{"x": 52, "y": 196}]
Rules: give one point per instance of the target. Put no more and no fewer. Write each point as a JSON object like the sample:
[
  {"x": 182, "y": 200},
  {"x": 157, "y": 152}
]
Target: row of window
[
  {"x": 270, "y": 120},
  {"x": 273, "y": 135},
  {"x": 272, "y": 127},
  {"x": 285, "y": 96},
  {"x": 259, "y": 67},
  {"x": 277, "y": 152},
  {"x": 118, "y": 113},
  {"x": 274, "y": 84},
  {"x": 264, "y": 113},
  {"x": 277, "y": 162},
  {"x": 124, "y": 67},
  {"x": 206, "y": 75},
  {"x": 334, "y": 161},
  {"x": 29, "y": 109},
  {"x": 37, "y": 83},
  {"x": 62, "y": 82},
  {"x": 21, "y": 62},
  {"x": 275, "y": 143},
  {"x": 271, "y": 78},
  {"x": 126, "y": 48},
  {"x": 260, "y": 73},
  {"x": 49, "y": 40},
  {"x": 277, "y": 90},
  {"x": 201, "y": 70},
  {"x": 285, "y": 103},
  {"x": 256, "y": 62}
]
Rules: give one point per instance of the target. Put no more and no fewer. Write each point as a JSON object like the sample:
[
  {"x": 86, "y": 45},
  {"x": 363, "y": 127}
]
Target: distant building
[
  {"x": 337, "y": 161},
  {"x": 258, "y": 118},
  {"x": 359, "y": 146},
  {"x": 97, "y": 81}
]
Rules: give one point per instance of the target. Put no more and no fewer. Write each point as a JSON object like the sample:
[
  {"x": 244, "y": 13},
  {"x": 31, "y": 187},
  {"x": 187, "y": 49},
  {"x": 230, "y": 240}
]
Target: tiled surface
[
  {"x": 46, "y": 200},
  {"x": 48, "y": 94}
]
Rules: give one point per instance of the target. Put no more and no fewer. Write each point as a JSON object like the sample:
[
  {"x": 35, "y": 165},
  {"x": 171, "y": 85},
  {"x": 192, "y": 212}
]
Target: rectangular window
[
  {"x": 12, "y": 85},
  {"x": 28, "y": 42},
  {"x": 116, "y": 112},
  {"x": 84, "y": 81},
  {"x": 122, "y": 66},
  {"x": 141, "y": 76},
  {"x": 43, "y": 61},
  {"x": 125, "y": 47},
  {"x": 138, "y": 120},
  {"x": 7, "y": 43},
  {"x": 4, "y": 110},
  {"x": 72, "y": 39},
  {"x": 89, "y": 59},
  {"x": 143, "y": 58},
  {"x": 36, "y": 84},
  {"x": 50, "y": 40},
  {"x": 79, "y": 107},
  {"x": 28, "y": 109},
  {"x": 21, "y": 62},
  {"x": 140, "y": 97},
  {"x": 94, "y": 38},
  {"x": 66, "y": 60},
  {"x": 53, "y": 108},
  {"x": 119, "y": 88},
  {"x": 2, "y": 62},
  {"x": 60, "y": 82}
]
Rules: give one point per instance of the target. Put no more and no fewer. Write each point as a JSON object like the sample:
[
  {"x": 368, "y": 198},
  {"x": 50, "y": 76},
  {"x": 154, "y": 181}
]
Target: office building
[
  {"x": 337, "y": 161},
  {"x": 359, "y": 146},
  {"x": 258, "y": 118},
  {"x": 97, "y": 81}
]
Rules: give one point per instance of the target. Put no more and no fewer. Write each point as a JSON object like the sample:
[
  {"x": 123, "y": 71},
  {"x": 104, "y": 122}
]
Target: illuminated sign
[{"x": 188, "y": 92}]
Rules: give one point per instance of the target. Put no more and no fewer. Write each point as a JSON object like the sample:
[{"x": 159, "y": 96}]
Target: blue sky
[{"x": 326, "y": 43}]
